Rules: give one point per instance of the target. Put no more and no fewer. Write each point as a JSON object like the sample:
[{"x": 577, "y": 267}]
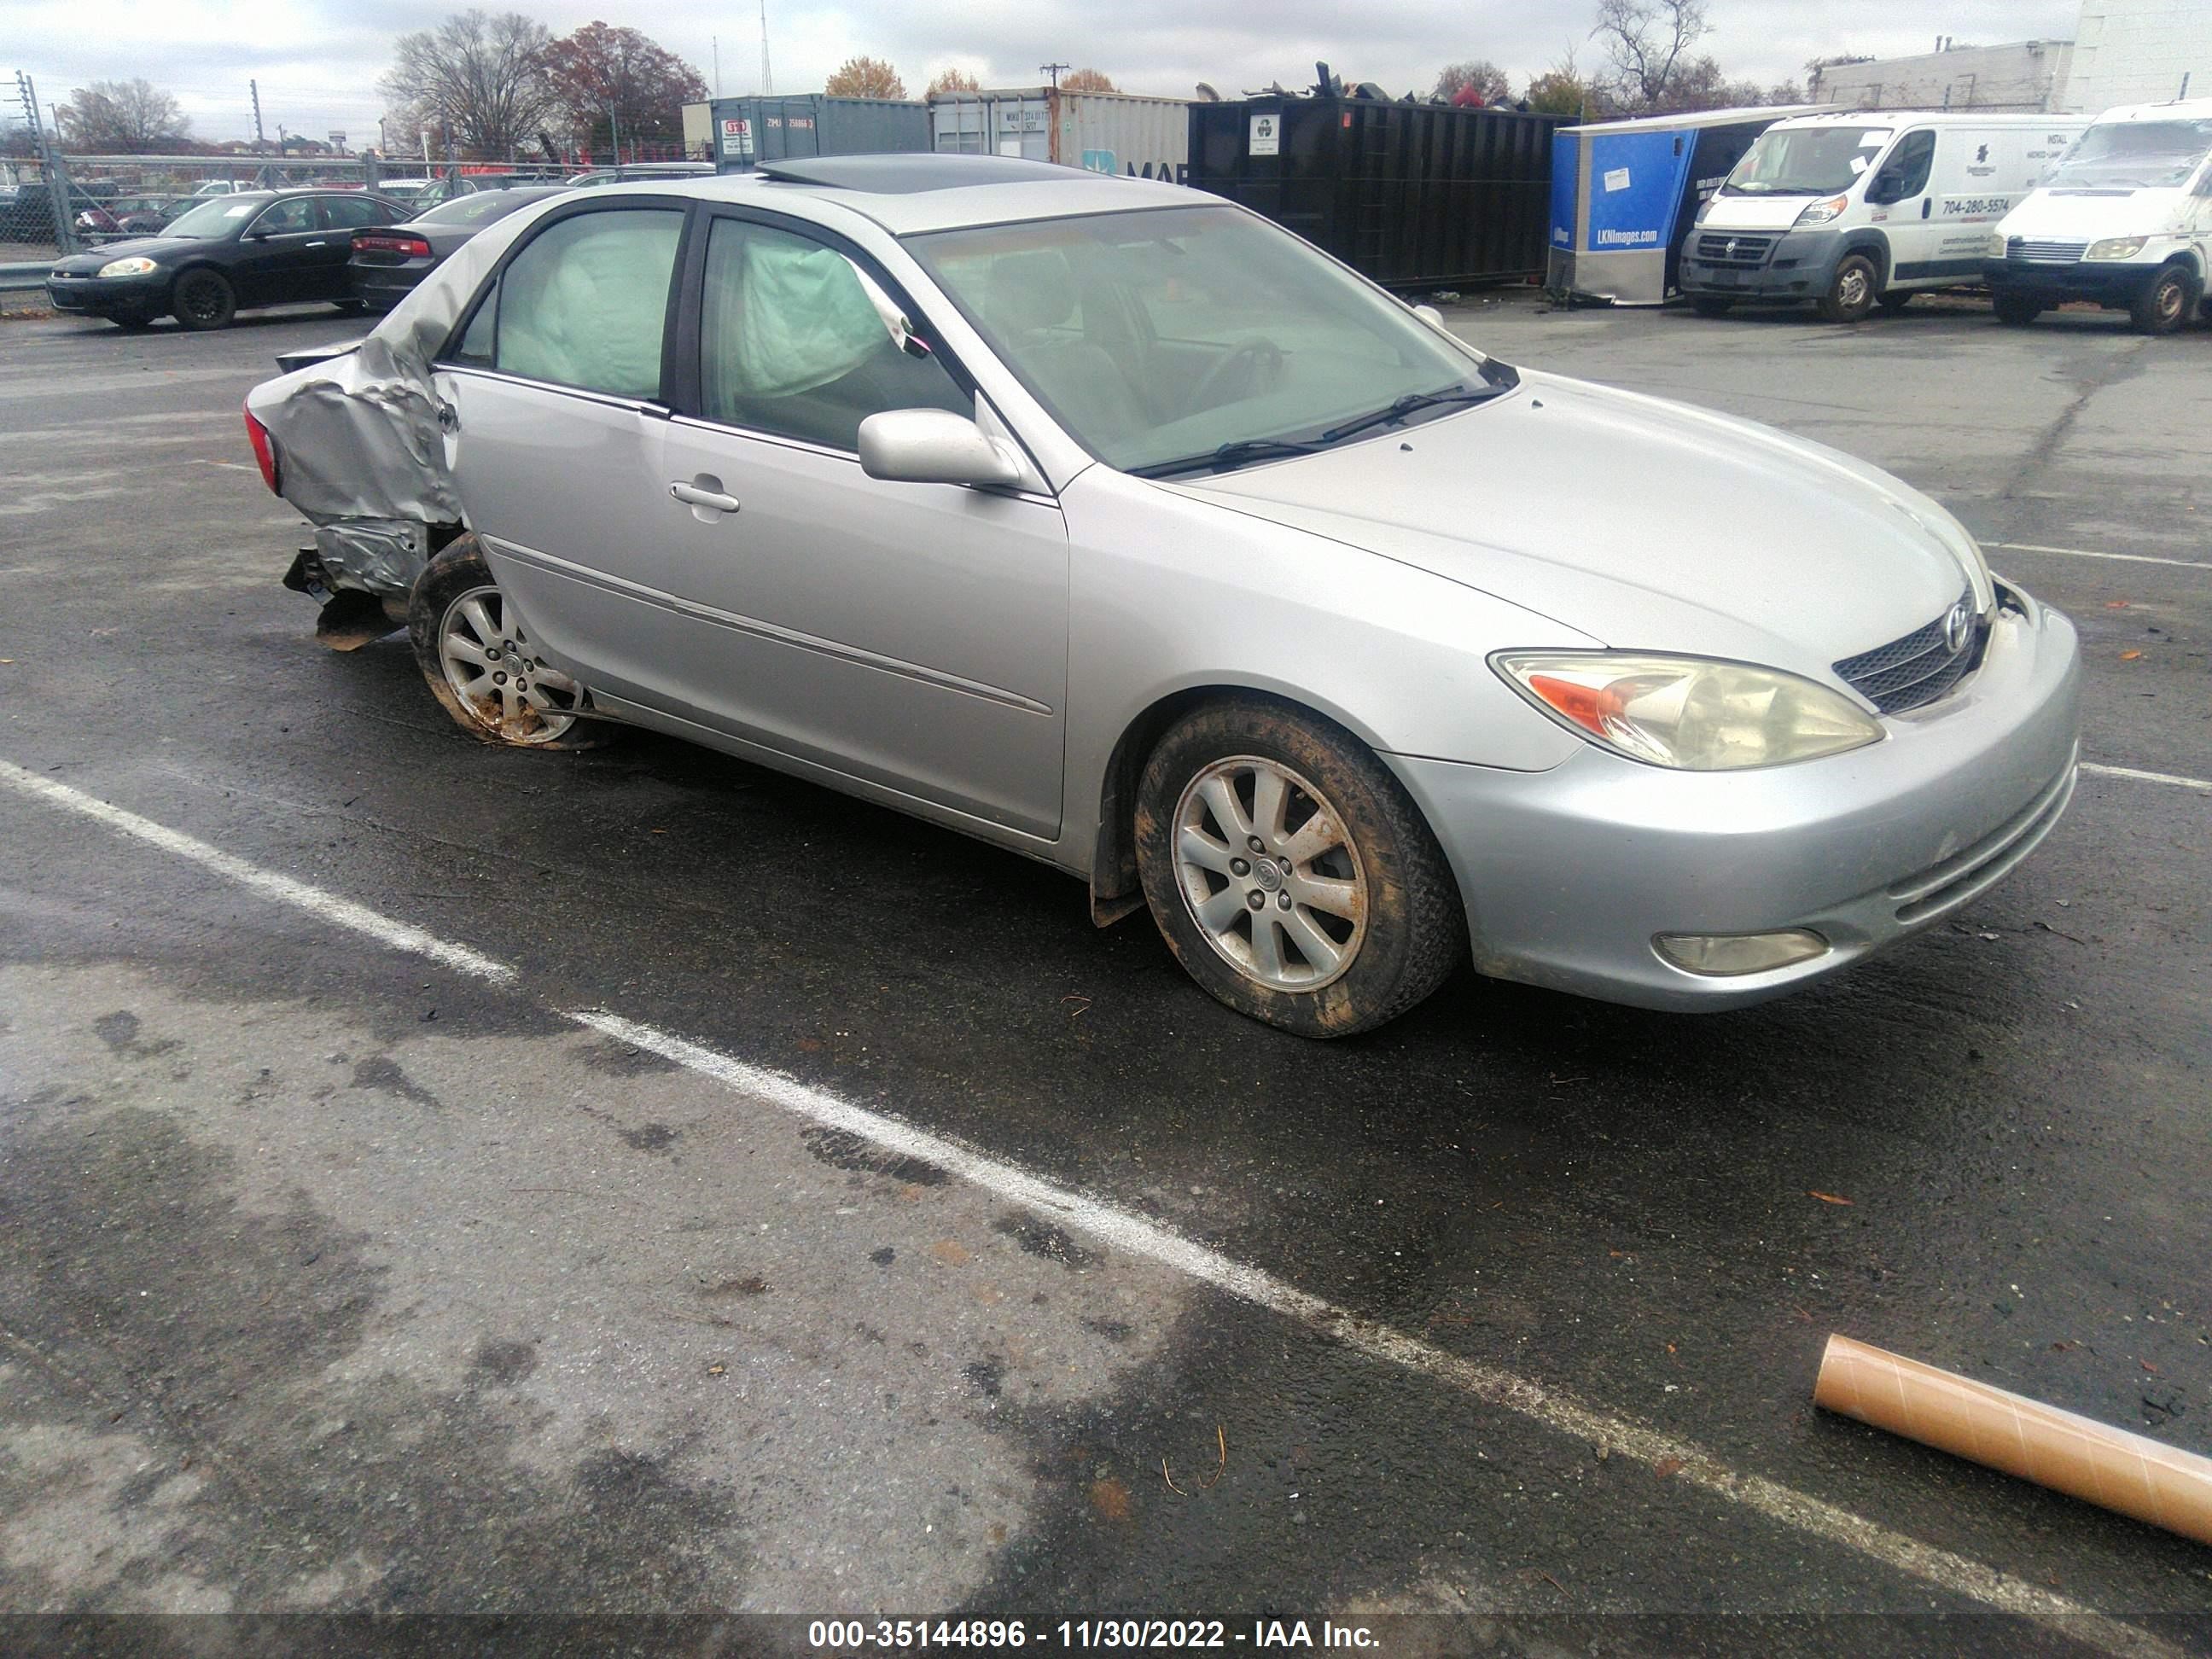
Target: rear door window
[
  {"x": 583, "y": 304},
  {"x": 351, "y": 212}
]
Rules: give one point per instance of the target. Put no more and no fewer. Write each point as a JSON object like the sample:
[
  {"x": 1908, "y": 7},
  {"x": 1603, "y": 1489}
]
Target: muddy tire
[
  {"x": 1851, "y": 290},
  {"x": 2014, "y": 310},
  {"x": 1711, "y": 305},
  {"x": 2166, "y": 303},
  {"x": 204, "y": 298},
  {"x": 476, "y": 657},
  {"x": 1289, "y": 872}
]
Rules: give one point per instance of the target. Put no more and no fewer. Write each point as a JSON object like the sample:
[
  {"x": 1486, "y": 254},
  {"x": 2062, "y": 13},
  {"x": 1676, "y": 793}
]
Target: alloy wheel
[
  {"x": 1269, "y": 873},
  {"x": 493, "y": 669}
]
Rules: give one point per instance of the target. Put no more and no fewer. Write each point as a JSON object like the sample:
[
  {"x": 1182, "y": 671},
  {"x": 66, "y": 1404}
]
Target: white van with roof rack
[
  {"x": 1866, "y": 208},
  {"x": 2125, "y": 219}
]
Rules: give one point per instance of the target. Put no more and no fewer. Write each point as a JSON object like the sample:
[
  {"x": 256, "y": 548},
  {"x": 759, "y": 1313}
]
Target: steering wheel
[{"x": 1254, "y": 360}]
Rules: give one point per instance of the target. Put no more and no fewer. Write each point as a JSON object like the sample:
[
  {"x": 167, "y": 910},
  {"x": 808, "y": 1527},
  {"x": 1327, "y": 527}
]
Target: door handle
[
  {"x": 696, "y": 497},
  {"x": 318, "y": 244}
]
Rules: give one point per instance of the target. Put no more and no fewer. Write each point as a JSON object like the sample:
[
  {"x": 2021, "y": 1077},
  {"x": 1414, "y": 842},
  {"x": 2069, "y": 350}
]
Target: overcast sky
[{"x": 317, "y": 61}]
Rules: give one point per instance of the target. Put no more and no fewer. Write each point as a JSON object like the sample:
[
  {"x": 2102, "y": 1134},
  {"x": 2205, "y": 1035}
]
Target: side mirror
[
  {"x": 1430, "y": 315},
  {"x": 933, "y": 446}
]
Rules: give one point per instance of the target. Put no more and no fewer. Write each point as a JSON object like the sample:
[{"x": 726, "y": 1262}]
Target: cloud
[{"x": 317, "y": 61}]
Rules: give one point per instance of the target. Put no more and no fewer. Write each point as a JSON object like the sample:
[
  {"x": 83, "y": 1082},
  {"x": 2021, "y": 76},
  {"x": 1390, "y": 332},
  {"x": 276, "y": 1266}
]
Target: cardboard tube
[{"x": 2161, "y": 1484}]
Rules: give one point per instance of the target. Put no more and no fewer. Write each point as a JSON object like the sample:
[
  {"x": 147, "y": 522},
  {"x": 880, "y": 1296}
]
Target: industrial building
[
  {"x": 2027, "y": 76},
  {"x": 2139, "y": 52}
]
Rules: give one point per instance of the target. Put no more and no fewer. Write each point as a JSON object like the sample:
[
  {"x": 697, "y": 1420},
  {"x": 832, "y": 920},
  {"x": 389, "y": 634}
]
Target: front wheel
[
  {"x": 1289, "y": 872},
  {"x": 2166, "y": 301},
  {"x": 479, "y": 660},
  {"x": 204, "y": 299},
  {"x": 2014, "y": 310},
  {"x": 1851, "y": 291},
  {"x": 1711, "y": 305}
]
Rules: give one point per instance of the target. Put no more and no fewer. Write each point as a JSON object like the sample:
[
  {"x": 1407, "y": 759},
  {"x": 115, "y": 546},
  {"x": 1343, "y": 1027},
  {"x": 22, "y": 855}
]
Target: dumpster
[
  {"x": 1105, "y": 131},
  {"x": 1411, "y": 195},
  {"x": 741, "y": 131},
  {"x": 1624, "y": 194}
]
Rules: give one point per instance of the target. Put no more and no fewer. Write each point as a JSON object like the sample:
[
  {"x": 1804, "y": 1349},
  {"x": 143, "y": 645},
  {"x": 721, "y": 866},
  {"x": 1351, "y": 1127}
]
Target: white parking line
[
  {"x": 2085, "y": 553},
  {"x": 1552, "y": 1408},
  {"x": 2172, "y": 780}
]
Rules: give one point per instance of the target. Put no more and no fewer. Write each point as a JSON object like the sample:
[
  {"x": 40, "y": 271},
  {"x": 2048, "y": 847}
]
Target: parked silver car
[{"x": 1107, "y": 521}]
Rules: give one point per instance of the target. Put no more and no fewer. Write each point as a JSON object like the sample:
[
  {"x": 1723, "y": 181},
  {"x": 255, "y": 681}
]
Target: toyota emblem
[{"x": 1958, "y": 626}]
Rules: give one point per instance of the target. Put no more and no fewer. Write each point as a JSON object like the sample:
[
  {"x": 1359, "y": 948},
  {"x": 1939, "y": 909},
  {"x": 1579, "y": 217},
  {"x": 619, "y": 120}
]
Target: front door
[
  {"x": 1913, "y": 227},
  {"x": 279, "y": 254},
  {"x": 914, "y": 635}
]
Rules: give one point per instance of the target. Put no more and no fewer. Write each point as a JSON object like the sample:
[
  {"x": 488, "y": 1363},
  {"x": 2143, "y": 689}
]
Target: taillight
[
  {"x": 265, "y": 451},
  {"x": 387, "y": 241}
]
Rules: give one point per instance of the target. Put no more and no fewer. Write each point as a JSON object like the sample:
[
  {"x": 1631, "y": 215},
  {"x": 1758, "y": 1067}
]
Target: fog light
[{"x": 1721, "y": 954}]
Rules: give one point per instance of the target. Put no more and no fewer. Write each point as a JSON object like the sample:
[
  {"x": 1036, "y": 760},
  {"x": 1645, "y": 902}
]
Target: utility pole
[
  {"x": 259, "y": 142},
  {"x": 1053, "y": 70},
  {"x": 50, "y": 163},
  {"x": 768, "y": 83},
  {"x": 717, "y": 39}
]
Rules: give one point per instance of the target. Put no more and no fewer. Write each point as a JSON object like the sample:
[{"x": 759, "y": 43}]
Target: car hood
[
  {"x": 1645, "y": 524},
  {"x": 2088, "y": 215},
  {"x": 153, "y": 247},
  {"x": 1755, "y": 212}
]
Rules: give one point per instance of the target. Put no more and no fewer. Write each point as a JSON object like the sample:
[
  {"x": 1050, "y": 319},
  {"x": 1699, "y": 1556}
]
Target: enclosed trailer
[
  {"x": 1411, "y": 195},
  {"x": 1624, "y": 194},
  {"x": 742, "y": 132},
  {"x": 1104, "y": 131}
]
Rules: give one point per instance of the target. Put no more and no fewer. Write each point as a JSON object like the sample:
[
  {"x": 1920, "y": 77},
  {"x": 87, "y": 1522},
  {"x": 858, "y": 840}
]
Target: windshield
[
  {"x": 217, "y": 217},
  {"x": 2133, "y": 156},
  {"x": 1806, "y": 161},
  {"x": 480, "y": 209},
  {"x": 1170, "y": 332}
]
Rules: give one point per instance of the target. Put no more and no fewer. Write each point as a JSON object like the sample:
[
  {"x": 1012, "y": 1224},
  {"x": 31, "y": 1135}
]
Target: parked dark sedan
[
  {"x": 229, "y": 254},
  {"x": 388, "y": 261}
]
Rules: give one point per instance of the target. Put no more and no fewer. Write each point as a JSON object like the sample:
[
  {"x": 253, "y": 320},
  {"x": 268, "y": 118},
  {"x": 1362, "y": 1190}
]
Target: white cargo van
[
  {"x": 2125, "y": 220},
  {"x": 1849, "y": 211}
]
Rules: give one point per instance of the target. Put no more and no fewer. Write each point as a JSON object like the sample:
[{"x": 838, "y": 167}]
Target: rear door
[
  {"x": 556, "y": 429},
  {"x": 341, "y": 217}
]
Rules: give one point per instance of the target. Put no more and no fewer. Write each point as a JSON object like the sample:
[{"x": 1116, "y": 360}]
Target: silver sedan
[{"x": 1109, "y": 523}]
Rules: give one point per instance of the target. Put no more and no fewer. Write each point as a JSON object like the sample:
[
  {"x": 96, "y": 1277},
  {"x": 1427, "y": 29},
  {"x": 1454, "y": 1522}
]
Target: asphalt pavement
[{"x": 436, "y": 1178}]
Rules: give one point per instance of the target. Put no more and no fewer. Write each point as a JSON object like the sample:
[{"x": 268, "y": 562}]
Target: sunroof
[{"x": 909, "y": 174}]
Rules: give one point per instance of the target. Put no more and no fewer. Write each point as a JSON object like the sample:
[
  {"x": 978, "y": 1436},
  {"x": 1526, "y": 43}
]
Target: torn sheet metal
[{"x": 358, "y": 446}]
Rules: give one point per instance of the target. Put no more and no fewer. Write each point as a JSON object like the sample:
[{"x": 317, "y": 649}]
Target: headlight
[
  {"x": 137, "y": 265},
  {"x": 1997, "y": 248},
  {"x": 1820, "y": 212},
  {"x": 1686, "y": 713},
  {"x": 2116, "y": 248}
]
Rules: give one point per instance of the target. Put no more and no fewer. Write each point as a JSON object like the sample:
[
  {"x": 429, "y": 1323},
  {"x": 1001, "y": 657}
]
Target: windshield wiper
[
  {"x": 1243, "y": 453},
  {"x": 1415, "y": 401}
]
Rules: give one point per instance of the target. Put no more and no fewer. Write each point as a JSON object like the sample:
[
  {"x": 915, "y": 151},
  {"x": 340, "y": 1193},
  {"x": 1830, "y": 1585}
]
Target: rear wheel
[
  {"x": 480, "y": 664},
  {"x": 1851, "y": 290},
  {"x": 1895, "y": 300},
  {"x": 2015, "y": 310},
  {"x": 2166, "y": 301},
  {"x": 204, "y": 299},
  {"x": 1289, "y": 872},
  {"x": 1711, "y": 305}
]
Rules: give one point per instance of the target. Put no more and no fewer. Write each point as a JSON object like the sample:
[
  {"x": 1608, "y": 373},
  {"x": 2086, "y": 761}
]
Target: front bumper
[
  {"x": 112, "y": 297},
  {"x": 2117, "y": 283},
  {"x": 1800, "y": 265},
  {"x": 1568, "y": 875}
]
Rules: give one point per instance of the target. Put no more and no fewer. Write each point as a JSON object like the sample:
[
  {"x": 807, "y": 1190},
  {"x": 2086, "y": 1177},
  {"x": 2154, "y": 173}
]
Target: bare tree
[
  {"x": 125, "y": 118},
  {"x": 481, "y": 77},
  {"x": 1087, "y": 80},
  {"x": 864, "y": 77},
  {"x": 1644, "y": 42},
  {"x": 1476, "y": 81},
  {"x": 954, "y": 79}
]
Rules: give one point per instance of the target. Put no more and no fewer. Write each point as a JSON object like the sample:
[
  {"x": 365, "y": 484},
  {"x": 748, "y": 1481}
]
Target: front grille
[
  {"x": 1914, "y": 671},
  {"x": 1720, "y": 248},
  {"x": 2052, "y": 253}
]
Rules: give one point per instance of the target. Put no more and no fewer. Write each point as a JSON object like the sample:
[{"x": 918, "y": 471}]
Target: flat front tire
[
  {"x": 1289, "y": 872},
  {"x": 1851, "y": 290},
  {"x": 477, "y": 656}
]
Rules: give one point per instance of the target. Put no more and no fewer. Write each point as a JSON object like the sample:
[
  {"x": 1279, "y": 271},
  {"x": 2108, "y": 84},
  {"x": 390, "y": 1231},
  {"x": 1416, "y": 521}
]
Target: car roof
[{"x": 912, "y": 194}]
